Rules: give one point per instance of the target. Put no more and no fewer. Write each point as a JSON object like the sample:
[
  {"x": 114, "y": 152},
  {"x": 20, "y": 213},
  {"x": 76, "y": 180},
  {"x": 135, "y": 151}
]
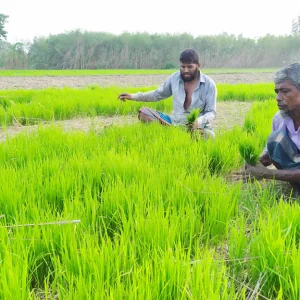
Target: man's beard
[
  {"x": 285, "y": 113},
  {"x": 191, "y": 78}
]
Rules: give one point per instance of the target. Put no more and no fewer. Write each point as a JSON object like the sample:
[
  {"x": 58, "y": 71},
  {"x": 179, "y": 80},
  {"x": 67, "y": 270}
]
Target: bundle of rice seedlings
[
  {"x": 249, "y": 152},
  {"x": 192, "y": 117}
]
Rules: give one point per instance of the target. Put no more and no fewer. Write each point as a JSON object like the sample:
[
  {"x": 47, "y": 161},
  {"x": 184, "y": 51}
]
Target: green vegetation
[
  {"x": 192, "y": 117},
  {"x": 3, "y": 20},
  {"x": 256, "y": 128},
  {"x": 21, "y": 73},
  {"x": 140, "y": 227},
  {"x": 140, "y": 211},
  {"x": 249, "y": 152},
  {"x": 35, "y": 106},
  {"x": 246, "y": 92},
  {"x": 150, "y": 227},
  {"x": 100, "y": 50}
]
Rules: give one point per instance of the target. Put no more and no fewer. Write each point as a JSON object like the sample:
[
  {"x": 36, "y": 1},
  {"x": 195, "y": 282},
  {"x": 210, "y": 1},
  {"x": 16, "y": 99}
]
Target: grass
[
  {"x": 21, "y": 73},
  {"x": 158, "y": 217},
  {"x": 113, "y": 183},
  {"x": 246, "y": 92},
  {"x": 35, "y": 106},
  {"x": 249, "y": 152},
  {"x": 150, "y": 227}
]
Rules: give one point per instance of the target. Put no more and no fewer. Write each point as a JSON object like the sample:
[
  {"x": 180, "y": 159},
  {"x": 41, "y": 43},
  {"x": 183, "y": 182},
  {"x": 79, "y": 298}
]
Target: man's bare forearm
[
  {"x": 283, "y": 175},
  {"x": 260, "y": 171},
  {"x": 279, "y": 174}
]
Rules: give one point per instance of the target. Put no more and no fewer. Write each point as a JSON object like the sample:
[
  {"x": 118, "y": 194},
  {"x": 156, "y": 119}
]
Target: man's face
[
  {"x": 287, "y": 96},
  {"x": 189, "y": 71}
]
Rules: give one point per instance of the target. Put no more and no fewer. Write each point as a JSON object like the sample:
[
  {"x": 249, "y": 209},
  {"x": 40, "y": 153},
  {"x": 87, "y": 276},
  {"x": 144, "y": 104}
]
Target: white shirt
[{"x": 204, "y": 97}]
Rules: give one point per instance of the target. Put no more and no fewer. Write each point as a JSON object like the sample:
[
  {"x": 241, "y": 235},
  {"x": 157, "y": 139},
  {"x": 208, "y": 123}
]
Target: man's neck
[{"x": 295, "y": 115}]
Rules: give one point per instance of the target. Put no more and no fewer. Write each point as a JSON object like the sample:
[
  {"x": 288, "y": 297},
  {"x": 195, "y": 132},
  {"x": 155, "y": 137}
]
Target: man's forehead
[
  {"x": 188, "y": 64},
  {"x": 284, "y": 85}
]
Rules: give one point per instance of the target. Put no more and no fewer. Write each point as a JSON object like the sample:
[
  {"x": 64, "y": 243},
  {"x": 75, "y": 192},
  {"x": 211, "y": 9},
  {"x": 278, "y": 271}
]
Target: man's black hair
[{"x": 189, "y": 56}]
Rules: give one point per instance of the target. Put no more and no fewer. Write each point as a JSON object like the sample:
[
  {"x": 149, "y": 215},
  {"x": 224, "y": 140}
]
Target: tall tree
[
  {"x": 3, "y": 20},
  {"x": 296, "y": 26}
]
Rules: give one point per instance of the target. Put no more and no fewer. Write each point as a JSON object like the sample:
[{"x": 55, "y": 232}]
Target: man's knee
[
  {"x": 144, "y": 116},
  {"x": 205, "y": 133},
  {"x": 208, "y": 134}
]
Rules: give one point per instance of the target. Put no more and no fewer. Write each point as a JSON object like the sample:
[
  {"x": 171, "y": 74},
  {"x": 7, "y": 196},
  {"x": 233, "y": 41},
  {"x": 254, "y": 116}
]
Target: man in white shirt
[{"x": 190, "y": 89}]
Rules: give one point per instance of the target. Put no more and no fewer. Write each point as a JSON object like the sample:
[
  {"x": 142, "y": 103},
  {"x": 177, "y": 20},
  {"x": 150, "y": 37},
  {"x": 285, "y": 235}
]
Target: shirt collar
[{"x": 202, "y": 78}]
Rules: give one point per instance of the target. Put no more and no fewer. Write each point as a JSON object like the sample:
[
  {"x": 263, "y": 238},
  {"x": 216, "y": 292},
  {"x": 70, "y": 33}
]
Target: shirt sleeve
[
  {"x": 162, "y": 92},
  {"x": 275, "y": 122},
  {"x": 274, "y": 127},
  {"x": 209, "y": 112}
]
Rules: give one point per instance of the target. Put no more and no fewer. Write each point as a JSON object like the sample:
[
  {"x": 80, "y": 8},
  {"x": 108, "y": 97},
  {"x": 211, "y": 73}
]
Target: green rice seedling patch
[
  {"x": 142, "y": 212},
  {"x": 249, "y": 151},
  {"x": 246, "y": 92},
  {"x": 36, "y": 106},
  {"x": 21, "y": 73},
  {"x": 122, "y": 186}
]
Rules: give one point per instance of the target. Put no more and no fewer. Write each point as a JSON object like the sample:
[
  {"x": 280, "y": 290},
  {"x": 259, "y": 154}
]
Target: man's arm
[
  {"x": 259, "y": 171},
  {"x": 162, "y": 92},
  {"x": 209, "y": 112}
]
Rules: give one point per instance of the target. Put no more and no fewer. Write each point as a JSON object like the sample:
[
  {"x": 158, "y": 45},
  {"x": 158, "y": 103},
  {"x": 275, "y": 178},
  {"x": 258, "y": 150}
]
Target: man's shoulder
[
  {"x": 206, "y": 79},
  {"x": 175, "y": 75}
]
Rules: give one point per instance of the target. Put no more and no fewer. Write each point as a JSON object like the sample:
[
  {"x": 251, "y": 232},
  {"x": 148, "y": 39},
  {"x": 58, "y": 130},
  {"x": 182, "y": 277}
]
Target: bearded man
[{"x": 190, "y": 88}]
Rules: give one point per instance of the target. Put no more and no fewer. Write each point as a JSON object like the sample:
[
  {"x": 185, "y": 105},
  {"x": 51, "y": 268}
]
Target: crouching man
[
  {"x": 190, "y": 88},
  {"x": 283, "y": 144}
]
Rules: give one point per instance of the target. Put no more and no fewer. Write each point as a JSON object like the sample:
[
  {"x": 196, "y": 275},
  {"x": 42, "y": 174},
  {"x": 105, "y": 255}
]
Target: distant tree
[
  {"x": 296, "y": 26},
  {"x": 3, "y": 19}
]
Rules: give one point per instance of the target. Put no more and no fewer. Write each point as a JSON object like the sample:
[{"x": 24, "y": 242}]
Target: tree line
[{"x": 99, "y": 50}]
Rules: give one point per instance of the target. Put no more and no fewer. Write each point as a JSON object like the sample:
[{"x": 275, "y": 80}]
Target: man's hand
[
  {"x": 124, "y": 96},
  {"x": 259, "y": 171},
  {"x": 192, "y": 126},
  {"x": 265, "y": 159}
]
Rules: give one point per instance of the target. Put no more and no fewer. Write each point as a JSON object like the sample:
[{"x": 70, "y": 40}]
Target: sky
[{"x": 253, "y": 19}]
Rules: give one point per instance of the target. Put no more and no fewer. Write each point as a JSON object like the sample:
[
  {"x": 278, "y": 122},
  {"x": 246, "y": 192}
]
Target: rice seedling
[
  {"x": 36, "y": 106},
  {"x": 21, "y": 73},
  {"x": 191, "y": 118},
  {"x": 193, "y": 115},
  {"x": 249, "y": 152},
  {"x": 249, "y": 126},
  {"x": 246, "y": 92},
  {"x": 158, "y": 218}
]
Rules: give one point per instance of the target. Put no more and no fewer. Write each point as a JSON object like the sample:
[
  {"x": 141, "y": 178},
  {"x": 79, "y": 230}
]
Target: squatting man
[
  {"x": 190, "y": 88},
  {"x": 283, "y": 144}
]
